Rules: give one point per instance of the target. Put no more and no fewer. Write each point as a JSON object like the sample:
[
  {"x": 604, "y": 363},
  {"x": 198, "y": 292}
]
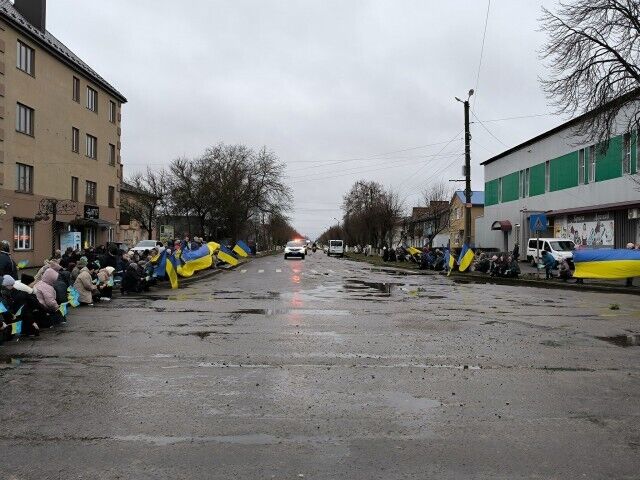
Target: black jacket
[{"x": 7, "y": 265}]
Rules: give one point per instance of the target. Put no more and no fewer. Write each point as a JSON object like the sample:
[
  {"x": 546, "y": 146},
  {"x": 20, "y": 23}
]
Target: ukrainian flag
[
  {"x": 16, "y": 328},
  {"x": 73, "y": 296},
  {"x": 607, "y": 263},
  {"x": 160, "y": 270},
  {"x": 213, "y": 247},
  {"x": 465, "y": 258},
  {"x": 171, "y": 270},
  {"x": 63, "y": 309},
  {"x": 194, "y": 260},
  {"x": 226, "y": 255},
  {"x": 449, "y": 260},
  {"x": 242, "y": 249},
  {"x": 3, "y": 309},
  {"x": 413, "y": 251}
]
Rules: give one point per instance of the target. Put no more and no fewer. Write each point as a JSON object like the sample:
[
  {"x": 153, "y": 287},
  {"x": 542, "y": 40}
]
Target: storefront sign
[
  {"x": 91, "y": 213},
  {"x": 70, "y": 239},
  {"x": 590, "y": 230}
]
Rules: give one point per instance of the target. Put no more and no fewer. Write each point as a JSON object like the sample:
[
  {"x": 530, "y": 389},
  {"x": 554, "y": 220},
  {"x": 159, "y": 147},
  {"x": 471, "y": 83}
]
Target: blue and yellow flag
[
  {"x": 242, "y": 249},
  {"x": 3, "y": 309},
  {"x": 16, "y": 328},
  {"x": 194, "y": 260},
  {"x": 213, "y": 247},
  {"x": 19, "y": 312},
  {"x": 607, "y": 263},
  {"x": 160, "y": 270},
  {"x": 63, "y": 308},
  {"x": 449, "y": 260},
  {"x": 465, "y": 258},
  {"x": 73, "y": 296},
  {"x": 413, "y": 251},
  {"x": 22, "y": 264},
  {"x": 172, "y": 270},
  {"x": 225, "y": 255}
]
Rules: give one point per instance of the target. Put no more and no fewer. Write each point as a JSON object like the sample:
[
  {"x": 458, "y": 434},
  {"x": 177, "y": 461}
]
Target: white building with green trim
[{"x": 590, "y": 196}]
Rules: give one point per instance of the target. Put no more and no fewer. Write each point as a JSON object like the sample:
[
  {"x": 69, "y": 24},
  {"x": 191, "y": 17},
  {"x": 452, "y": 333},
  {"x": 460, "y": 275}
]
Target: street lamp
[{"x": 50, "y": 208}]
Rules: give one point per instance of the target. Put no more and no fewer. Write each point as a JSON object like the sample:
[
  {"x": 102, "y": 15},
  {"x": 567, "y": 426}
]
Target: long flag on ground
[
  {"x": 171, "y": 268},
  {"x": 225, "y": 255},
  {"x": 194, "y": 260},
  {"x": 465, "y": 258},
  {"x": 242, "y": 249},
  {"x": 607, "y": 263}
]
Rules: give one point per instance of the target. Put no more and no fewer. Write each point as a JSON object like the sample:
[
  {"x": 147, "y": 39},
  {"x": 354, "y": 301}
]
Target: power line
[
  {"x": 484, "y": 36},
  {"x": 518, "y": 117},
  {"x": 488, "y": 131}
]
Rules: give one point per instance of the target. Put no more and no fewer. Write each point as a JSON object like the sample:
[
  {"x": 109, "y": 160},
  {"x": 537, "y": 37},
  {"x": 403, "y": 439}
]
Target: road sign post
[{"x": 538, "y": 223}]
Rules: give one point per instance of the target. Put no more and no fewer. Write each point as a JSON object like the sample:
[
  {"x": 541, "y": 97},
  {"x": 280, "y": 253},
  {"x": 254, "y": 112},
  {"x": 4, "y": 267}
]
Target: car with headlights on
[{"x": 295, "y": 248}]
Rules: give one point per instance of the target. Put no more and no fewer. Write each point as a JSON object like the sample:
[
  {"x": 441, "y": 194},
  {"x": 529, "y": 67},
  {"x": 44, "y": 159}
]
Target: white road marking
[
  {"x": 243, "y": 271},
  {"x": 331, "y": 271},
  {"x": 315, "y": 272},
  {"x": 278, "y": 270},
  {"x": 260, "y": 271}
]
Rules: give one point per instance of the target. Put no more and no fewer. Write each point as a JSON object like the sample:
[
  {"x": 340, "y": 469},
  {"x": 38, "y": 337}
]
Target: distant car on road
[
  {"x": 295, "y": 248},
  {"x": 143, "y": 245},
  {"x": 336, "y": 247}
]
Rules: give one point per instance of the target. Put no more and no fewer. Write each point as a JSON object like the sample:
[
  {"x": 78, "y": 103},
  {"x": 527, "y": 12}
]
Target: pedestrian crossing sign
[{"x": 538, "y": 222}]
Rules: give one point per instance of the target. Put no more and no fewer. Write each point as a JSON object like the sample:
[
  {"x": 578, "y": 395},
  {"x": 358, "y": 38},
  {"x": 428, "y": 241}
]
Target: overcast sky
[{"x": 341, "y": 90}]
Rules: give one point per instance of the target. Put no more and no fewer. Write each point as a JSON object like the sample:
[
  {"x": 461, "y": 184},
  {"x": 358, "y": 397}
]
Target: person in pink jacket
[{"x": 46, "y": 295}]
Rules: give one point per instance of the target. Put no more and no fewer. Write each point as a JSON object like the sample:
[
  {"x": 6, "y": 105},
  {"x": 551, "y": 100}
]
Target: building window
[
  {"x": 111, "y": 235},
  {"x": 500, "y": 190},
  {"x": 581, "y": 167},
  {"x": 626, "y": 154},
  {"x": 24, "y": 178},
  {"x": 74, "y": 189},
  {"x": 112, "y": 197},
  {"x": 22, "y": 236},
  {"x": 112, "y": 111},
  {"x": 92, "y": 99},
  {"x": 112, "y": 154},
  {"x": 89, "y": 237},
  {"x": 75, "y": 139},
  {"x": 92, "y": 192},
  {"x": 26, "y": 60},
  {"x": 458, "y": 213},
  {"x": 592, "y": 163},
  {"x": 547, "y": 176},
  {"x": 24, "y": 119},
  {"x": 76, "y": 89},
  {"x": 92, "y": 146}
]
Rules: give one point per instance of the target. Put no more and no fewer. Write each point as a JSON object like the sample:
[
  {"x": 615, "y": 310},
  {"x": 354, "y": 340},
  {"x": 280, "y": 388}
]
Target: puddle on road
[
  {"x": 628, "y": 340},
  {"x": 269, "y": 312}
]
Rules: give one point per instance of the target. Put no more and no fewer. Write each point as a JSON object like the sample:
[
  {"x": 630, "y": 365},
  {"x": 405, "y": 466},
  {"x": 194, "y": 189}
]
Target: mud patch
[{"x": 628, "y": 340}]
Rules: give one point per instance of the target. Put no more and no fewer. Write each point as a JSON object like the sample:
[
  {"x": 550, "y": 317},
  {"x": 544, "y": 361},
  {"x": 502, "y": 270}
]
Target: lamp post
[
  {"x": 49, "y": 209},
  {"x": 467, "y": 170}
]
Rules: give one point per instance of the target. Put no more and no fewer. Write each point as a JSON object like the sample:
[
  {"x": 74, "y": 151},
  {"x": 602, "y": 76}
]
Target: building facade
[
  {"x": 588, "y": 192},
  {"x": 456, "y": 222},
  {"x": 60, "y": 130}
]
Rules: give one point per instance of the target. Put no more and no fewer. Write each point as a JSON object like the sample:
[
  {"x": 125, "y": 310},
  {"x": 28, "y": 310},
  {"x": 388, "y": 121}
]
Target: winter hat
[
  {"x": 56, "y": 266},
  {"x": 8, "y": 281},
  {"x": 110, "y": 270},
  {"x": 82, "y": 262}
]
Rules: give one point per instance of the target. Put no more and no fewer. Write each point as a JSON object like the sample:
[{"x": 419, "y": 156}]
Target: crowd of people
[{"x": 38, "y": 301}]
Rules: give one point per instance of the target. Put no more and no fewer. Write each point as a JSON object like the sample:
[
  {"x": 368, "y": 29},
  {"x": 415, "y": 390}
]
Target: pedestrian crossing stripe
[
  {"x": 243, "y": 271},
  {"x": 278, "y": 270},
  {"x": 260, "y": 271}
]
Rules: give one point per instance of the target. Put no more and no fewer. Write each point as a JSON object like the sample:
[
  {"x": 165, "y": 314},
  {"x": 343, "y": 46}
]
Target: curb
[{"x": 524, "y": 282}]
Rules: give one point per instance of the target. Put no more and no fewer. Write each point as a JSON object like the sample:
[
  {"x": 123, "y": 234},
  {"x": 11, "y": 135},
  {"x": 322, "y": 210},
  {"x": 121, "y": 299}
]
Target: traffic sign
[{"x": 538, "y": 222}]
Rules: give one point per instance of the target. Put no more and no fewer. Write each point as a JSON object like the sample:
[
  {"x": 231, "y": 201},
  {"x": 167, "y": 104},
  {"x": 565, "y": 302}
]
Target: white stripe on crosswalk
[
  {"x": 278, "y": 270},
  {"x": 260, "y": 271},
  {"x": 243, "y": 271}
]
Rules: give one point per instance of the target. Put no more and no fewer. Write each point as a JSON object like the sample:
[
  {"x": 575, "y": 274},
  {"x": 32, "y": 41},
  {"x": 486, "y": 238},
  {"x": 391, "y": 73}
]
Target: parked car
[
  {"x": 295, "y": 248},
  {"x": 559, "y": 248},
  {"x": 143, "y": 245},
  {"x": 336, "y": 247}
]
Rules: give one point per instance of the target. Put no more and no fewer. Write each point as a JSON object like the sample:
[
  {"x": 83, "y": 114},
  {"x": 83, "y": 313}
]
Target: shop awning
[
  {"x": 83, "y": 222},
  {"x": 594, "y": 208},
  {"x": 504, "y": 225}
]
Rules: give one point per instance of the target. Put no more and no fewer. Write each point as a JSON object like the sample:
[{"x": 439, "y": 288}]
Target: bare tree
[
  {"x": 144, "y": 195},
  {"x": 594, "y": 54},
  {"x": 437, "y": 198}
]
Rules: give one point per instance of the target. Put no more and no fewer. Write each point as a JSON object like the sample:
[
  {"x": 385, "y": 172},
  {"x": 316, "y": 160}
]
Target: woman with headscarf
[
  {"x": 105, "y": 283},
  {"x": 82, "y": 263},
  {"x": 46, "y": 295}
]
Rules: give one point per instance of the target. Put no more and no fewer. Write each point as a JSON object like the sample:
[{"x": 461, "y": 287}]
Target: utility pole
[{"x": 467, "y": 170}]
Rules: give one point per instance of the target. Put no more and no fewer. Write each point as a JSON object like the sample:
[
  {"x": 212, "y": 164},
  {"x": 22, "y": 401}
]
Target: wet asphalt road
[{"x": 325, "y": 369}]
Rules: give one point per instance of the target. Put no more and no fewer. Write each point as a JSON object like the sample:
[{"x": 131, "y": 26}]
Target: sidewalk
[{"x": 529, "y": 277}]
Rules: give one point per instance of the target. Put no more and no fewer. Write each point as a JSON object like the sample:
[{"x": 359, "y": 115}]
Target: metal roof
[
  {"x": 477, "y": 197},
  {"x": 54, "y": 46}
]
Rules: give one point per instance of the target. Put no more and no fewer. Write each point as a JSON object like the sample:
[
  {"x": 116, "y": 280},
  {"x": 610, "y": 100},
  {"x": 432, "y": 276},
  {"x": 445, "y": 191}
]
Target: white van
[
  {"x": 559, "y": 248},
  {"x": 336, "y": 247}
]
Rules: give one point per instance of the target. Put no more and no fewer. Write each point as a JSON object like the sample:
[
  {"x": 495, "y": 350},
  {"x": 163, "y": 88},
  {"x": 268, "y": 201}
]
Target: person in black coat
[{"x": 7, "y": 265}]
